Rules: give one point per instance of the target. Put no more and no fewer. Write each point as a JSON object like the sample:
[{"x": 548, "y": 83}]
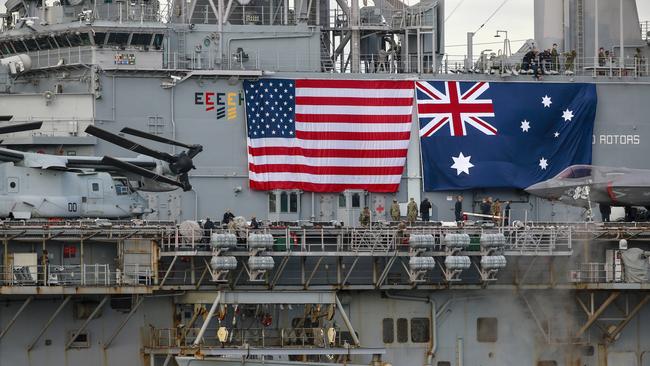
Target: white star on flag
[
  {"x": 525, "y": 126},
  {"x": 556, "y": 134},
  {"x": 462, "y": 164},
  {"x": 546, "y": 100},
  {"x": 567, "y": 115},
  {"x": 543, "y": 163}
]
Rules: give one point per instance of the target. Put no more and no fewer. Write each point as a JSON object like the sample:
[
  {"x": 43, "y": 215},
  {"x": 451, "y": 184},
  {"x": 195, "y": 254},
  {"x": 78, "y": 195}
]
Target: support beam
[
  {"x": 596, "y": 314},
  {"x": 313, "y": 272},
  {"x": 279, "y": 271},
  {"x": 123, "y": 323},
  {"x": 169, "y": 269},
  {"x": 341, "y": 47},
  {"x": 196, "y": 313},
  {"x": 204, "y": 326},
  {"x": 384, "y": 274},
  {"x": 583, "y": 306},
  {"x": 13, "y": 319},
  {"x": 350, "y": 271},
  {"x": 611, "y": 337},
  {"x": 347, "y": 322},
  {"x": 226, "y": 14},
  {"x": 85, "y": 323},
  {"x": 190, "y": 13},
  {"x": 544, "y": 332},
  {"x": 355, "y": 45},
  {"x": 344, "y": 6},
  {"x": 66, "y": 300},
  {"x": 205, "y": 271},
  {"x": 214, "y": 9},
  {"x": 167, "y": 360}
]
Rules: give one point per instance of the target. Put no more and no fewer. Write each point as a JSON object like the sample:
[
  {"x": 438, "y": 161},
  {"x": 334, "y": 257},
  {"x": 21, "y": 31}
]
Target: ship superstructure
[{"x": 311, "y": 287}]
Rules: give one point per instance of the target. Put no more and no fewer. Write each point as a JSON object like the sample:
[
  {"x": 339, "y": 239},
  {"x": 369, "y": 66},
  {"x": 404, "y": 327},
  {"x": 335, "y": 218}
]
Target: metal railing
[
  {"x": 545, "y": 240},
  {"x": 209, "y": 60},
  {"x": 589, "y": 273},
  {"x": 82, "y": 55},
  {"x": 645, "y": 30},
  {"x": 126, "y": 11},
  {"x": 75, "y": 275},
  {"x": 502, "y": 66},
  {"x": 54, "y": 127},
  {"x": 254, "y": 337}
]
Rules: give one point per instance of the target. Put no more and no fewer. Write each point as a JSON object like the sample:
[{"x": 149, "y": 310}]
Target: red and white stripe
[{"x": 350, "y": 134}]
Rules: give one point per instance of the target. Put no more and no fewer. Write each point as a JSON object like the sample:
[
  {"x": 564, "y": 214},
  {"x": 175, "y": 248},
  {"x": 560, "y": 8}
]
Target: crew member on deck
[
  {"x": 208, "y": 226},
  {"x": 364, "y": 217},
  {"x": 605, "y": 212},
  {"x": 458, "y": 209},
  {"x": 496, "y": 211},
  {"x": 395, "y": 211},
  {"x": 227, "y": 217},
  {"x": 425, "y": 206},
  {"x": 412, "y": 211}
]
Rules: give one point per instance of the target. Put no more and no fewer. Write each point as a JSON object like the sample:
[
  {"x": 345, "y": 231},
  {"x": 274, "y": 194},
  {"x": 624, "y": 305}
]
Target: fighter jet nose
[
  {"x": 543, "y": 190},
  {"x": 535, "y": 188}
]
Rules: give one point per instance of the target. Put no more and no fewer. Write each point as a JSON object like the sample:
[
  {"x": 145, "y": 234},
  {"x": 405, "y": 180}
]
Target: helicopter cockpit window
[
  {"x": 95, "y": 187},
  {"x": 575, "y": 172},
  {"x": 121, "y": 188}
]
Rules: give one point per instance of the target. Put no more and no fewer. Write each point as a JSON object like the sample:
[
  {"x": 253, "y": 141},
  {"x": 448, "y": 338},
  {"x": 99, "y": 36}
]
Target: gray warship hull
[{"x": 144, "y": 292}]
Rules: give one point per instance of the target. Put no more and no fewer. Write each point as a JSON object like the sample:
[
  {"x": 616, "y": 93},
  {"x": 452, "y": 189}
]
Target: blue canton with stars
[
  {"x": 270, "y": 108},
  {"x": 542, "y": 128}
]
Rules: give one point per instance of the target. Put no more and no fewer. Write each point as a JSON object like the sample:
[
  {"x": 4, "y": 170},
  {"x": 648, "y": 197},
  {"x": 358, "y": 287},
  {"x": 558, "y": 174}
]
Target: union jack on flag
[{"x": 455, "y": 106}]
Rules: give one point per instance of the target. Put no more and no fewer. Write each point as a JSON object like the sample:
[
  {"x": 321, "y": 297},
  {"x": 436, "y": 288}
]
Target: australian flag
[{"x": 502, "y": 135}]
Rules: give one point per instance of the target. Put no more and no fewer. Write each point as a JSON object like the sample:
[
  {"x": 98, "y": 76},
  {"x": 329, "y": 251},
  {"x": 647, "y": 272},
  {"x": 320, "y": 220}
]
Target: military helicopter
[{"x": 34, "y": 185}]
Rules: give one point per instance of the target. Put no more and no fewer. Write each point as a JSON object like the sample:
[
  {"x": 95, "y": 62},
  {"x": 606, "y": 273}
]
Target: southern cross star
[
  {"x": 567, "y": 115},
  {"x": 543, "y": 163}
]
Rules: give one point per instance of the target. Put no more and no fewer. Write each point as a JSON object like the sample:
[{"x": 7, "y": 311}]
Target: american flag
[{"x": 328, "y": 135}]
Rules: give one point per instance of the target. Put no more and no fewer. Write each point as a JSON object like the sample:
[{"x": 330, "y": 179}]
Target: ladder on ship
[
  {"x": 180, "y": 59},
  {"x": 580, "y": 34},
  {"x": 326, "y": 63}
]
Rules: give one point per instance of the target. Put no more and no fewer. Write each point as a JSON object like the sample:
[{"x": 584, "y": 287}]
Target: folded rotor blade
[
  {"x": 139, "y": 171},
  {"x": 21, "y": 127},
  {"x": 5, "y": 118},
  {"x": 153, "y": 137},
  {"x": 127, "y": 144}
]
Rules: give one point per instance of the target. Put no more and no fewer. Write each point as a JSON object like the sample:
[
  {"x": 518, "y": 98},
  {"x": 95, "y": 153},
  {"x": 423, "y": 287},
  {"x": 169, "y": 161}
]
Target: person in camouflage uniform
[
  {"x": 412, "y": 211},
  {"x": 395, "y": 211},
  {"x": 364, "y": 217}
]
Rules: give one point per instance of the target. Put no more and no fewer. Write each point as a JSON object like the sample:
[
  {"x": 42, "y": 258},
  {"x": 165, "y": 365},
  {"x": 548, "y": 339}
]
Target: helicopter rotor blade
[
  {"x": 128, "y": 144},
  {"x": 5, "y": 118},
  {"x": 108, "y": 160},
  {"x": 19, "y": 127},
  {"x": 148, "y": 136}
]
